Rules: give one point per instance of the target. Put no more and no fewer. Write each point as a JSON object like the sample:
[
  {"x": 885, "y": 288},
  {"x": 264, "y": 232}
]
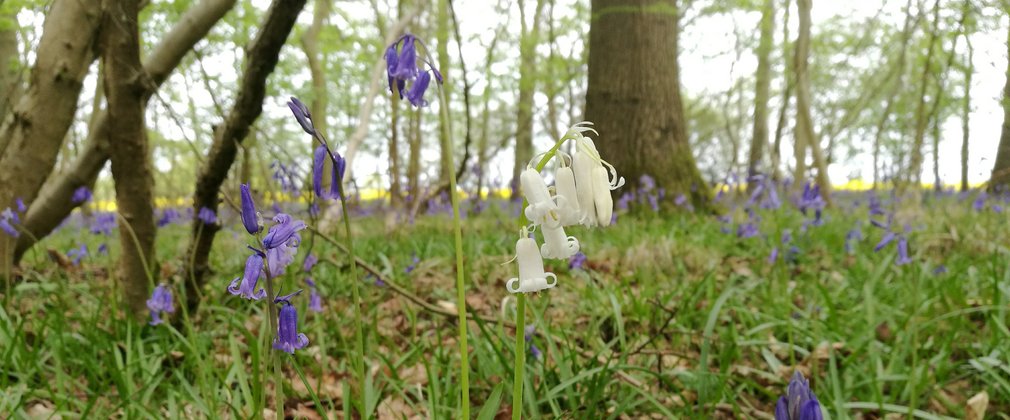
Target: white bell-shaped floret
[
  {"x": 557, "y": 244},
  {"x": 582, "y": 165},
  {"x": 542, "y": 210},
  {"x": 601, "y": 196},
  {"x": 567, "y": 196},
  {"x": 532, "y": 277}
]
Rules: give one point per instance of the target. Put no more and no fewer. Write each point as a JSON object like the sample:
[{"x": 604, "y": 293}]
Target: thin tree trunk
[
  {"x": 131, "y": 157},
  {"x": 762, "y": 84},
  {"x": 54, "y": 201},
  {"x": 317, "y": 65},
  {"x": 483, "y": 143},
  {"x": 969, "y": 71},
  {"x": 261, "y": 58},
  {"x": 468, "y": 133},
  {"x": 787, "y": 95},
  {"x": 906, "y": 35},
  {"x": 633, "y": 95},
  {"x": 804, "y": 124},
  {"x": 921, "y": 114},
  {"x": 529, "y": 38}
]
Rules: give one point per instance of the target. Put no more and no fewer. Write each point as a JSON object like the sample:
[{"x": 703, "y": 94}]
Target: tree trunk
[
  {"x": 10, "y": 85},
  {"x": 762, "y": 84},
  {"x": 54, "y": 201},
  {"x": 787, "y": 95},
  {"x": 124, "y": 79},
  {"x": 317, "y": 65},
  {"x": 414, "y": 159},
  {"x": 906, "y": 35},
  {"x": 529, "y": 38},
  {"x": 921, "y": 114},
  {"x": 969, "y": 70},
  {"x": 633, "y": 95},
  {"x": 31, "y": 137},
  {"x": 395, "y": 190},
  {"x": 484, "y": 142},
  {"x": 261, "y": 58},
  {"x": 804, "y": 124},
  {"x": 1001, "y": 168}
]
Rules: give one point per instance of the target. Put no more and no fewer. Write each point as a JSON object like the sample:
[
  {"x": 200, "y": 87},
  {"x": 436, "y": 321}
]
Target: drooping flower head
[
  {"x": 76, "y": 254},
  {"x": 160, "y": 301},
  {"x": 250, "y": 219},
  {"x": 327, "y": 173},
  {"x": 20, "y": 204},
  {"x": 288, "y": 338},
  {"x": 8, "y": 219},
  {"x": 402, "y": 66},
  {"x": 529, "y": 332},
  {"x": 799, "y": 403},
  {"x": 245, "y": 286},
  {"x": 315, "y": 301},
  {"x": 282, "y": 231}
]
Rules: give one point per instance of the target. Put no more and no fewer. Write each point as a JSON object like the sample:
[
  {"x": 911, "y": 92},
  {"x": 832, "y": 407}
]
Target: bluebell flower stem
[
  {"x": 275, "y": 357},
  {"x": 359, "y": 335},
  {"x": 520, "y": 350},
  {"x": 457, "y": 225}
]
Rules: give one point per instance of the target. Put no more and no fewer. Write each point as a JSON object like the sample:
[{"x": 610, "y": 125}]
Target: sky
[{"x": 708, "y": 66}]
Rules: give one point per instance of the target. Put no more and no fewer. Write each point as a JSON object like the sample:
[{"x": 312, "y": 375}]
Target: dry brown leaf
[{"x": 977, "y": 406}]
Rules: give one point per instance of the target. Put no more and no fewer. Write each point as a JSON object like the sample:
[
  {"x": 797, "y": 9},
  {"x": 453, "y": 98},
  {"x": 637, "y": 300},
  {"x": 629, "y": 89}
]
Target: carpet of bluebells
[{"x": 871, "y": 304}]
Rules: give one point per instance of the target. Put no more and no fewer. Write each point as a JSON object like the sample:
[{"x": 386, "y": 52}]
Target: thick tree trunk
[
  {"x": 528, "y": 41},
  {"x": 804, "y": 124},
  {"x": 762, "y": 84},
  {"x": 261, "y": 58},
  {"x": 1001, "y": 168},
  {"x": 10, "y": 86},
  {"x": 31, "y": 137},
  {"x": 124, "y": 79},
  {"x": 53, "y": 203},
  {"x": 633, "y": 95}
]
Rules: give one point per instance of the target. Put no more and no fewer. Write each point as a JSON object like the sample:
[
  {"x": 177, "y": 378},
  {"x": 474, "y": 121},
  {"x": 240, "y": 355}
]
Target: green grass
[{"x": 673, "y": 318}]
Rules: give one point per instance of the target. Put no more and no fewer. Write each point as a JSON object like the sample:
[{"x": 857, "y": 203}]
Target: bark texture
[
  {"x": 9, "y": 63},
  {"x": 31, "y": 136},
  {"x": 805, "y": 137},
  {"x": 261, "y": 59},
  {"x": 1000, "y": 176},
  {"x": 921, "y": 111},
  {"x": 53, "y": 203},
  {"x": 633, "y": 97},
  {"x": 762, "y": 84},
  {"x": 124, "y": 79}
]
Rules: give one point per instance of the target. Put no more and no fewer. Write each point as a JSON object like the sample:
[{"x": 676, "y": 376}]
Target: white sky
[{"x": 706, "y": 61}]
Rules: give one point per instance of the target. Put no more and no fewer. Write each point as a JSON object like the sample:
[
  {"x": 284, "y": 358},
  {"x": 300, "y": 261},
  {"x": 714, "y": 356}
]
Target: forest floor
[{"x": 673, "y": 316}]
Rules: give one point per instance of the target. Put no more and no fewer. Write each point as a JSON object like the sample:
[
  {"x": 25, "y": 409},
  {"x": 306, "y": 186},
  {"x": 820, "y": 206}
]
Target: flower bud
[{"x": 542, "y": 210}]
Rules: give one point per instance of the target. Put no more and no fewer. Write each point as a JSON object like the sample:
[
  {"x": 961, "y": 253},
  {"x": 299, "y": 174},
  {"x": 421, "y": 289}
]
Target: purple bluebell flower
[
  {"x": 747, "y": 230},
  {"x": 997, "y": 208},
  {"x": 76, "y": 254},
  {"x": 310, "y": 261},
  {"x": 577, "y": 261},
  {"x": 160, "y": 301},
  {"x": 207, "y": 216},
  {"x": 413, "y": 264},
  {"x": 902, "y": 252},
  {"x": 288, "y": 338},
  {"x": 406, "y": 60},
  {"x": 81, "y": 195},
  {"x": 884, "y": 241},
  {"x": 20, "y": 204},
  {"x": 787, "y": 236},
  {"x": 854, "y": 235},
  {"x": 279, "y": 257},
  {"x": 103, "y": 249},
  {"x": 529, "y": 332},
  {"x": 282, "y": 231},
  {"x": 875, "y": 207},
  {"x": 979, "y": 202},
  {"x": 940, "y": 269},
  {"x": 799, "y": 403},
  {"x": 337, "y": 169},
  {"x": 302, "y": 114},
  {"x": 653, "y": 202},
  {"x": 391, "y": 63},
  {"x": 103, "y": 223},
  {"x": 315, "y": 301},
  {"x": 680, "y": 200},
  {"x": 7, "y": 222},
  {"x": 647, "y": 182},
  {"x": 247, "y": 287},
  {"x": 249, "y": 217},
  {"x": 774, "y": 255},
  {"x": 811, "y": 200},
  {"x": 416, "y": 93},
  {"x": 168, "y": 216}
]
